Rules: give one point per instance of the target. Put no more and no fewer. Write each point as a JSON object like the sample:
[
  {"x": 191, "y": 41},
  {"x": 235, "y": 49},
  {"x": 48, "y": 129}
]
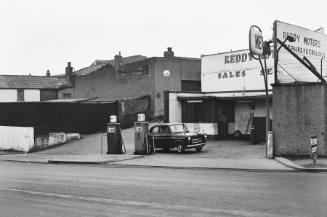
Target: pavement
[
  {"x": 221, "y": 154},
  {"x": 304, "y": 164}
]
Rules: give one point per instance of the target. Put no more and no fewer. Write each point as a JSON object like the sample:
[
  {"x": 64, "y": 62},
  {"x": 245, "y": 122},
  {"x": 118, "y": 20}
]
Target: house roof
[
  {"x": 32, "y": 82},
  {"x": 97, "y": 64}
]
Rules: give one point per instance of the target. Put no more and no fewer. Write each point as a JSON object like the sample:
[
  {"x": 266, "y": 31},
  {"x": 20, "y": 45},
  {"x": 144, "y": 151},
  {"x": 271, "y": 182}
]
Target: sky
[{"x": 41, "y": 35}]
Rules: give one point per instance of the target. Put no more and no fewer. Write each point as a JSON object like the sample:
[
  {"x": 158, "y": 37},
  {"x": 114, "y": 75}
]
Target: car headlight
[{"x": 189, "y": 139}]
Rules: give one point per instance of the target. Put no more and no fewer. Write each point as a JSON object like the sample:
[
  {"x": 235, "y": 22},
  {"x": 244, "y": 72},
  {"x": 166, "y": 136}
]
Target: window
[
  {"x": 179, "y": 128},
  {"x": 20, "y": 95},
  {"x": 134, "y": 71},
  {"x": 164, "y": 130},
  {"x": 155, "y": 130},
  {"x": 67, "y": 95}
]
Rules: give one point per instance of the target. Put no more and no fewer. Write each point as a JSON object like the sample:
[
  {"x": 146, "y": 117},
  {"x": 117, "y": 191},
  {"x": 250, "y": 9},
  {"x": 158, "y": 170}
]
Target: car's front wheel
[
  {"x": 180, "y": 148},
  {"x": 198, "y": 149}
]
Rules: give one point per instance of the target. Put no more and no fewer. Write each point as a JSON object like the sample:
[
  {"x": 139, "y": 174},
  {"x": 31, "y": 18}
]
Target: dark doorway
[{"x": 260, "y": 128}]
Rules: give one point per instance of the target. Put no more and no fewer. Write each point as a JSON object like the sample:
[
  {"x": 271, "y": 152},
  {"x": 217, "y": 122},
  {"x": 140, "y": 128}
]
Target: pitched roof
[
  {"x": 32, "y": 82},
  {"x": 97, "y": 64}
]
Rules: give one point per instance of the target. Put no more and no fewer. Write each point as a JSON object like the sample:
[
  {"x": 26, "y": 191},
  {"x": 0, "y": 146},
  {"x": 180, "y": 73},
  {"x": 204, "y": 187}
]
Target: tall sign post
[{"x": 260, "y": 49}]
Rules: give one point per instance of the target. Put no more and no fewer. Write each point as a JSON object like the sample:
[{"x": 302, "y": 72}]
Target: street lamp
[
  {"x": 262, "y": 50},
  {"x": 288, "y": 38}
]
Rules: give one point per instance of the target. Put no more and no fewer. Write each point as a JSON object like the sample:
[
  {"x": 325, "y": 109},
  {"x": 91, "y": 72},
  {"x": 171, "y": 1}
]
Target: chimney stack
[
  {"x": 69, "y": 69},
  {"x": 169, "y": 53},
  {"x": 48, "y": 73},
  {"x": 118, "y": 60}
]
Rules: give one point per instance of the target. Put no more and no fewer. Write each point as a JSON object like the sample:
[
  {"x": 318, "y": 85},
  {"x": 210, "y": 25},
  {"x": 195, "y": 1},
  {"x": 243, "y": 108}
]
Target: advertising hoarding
[
  {"x": 308, "y": 43},
  {"x": 233, "y": 71}
]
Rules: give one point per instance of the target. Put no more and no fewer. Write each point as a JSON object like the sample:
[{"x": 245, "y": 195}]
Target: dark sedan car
[{"x": 175, "y": 135}]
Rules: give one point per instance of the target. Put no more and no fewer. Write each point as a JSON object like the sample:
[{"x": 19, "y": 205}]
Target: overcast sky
[{"x": 37, "y": 35}]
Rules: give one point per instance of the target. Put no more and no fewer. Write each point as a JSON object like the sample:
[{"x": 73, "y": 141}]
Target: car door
[
  {"x": 165, "y": 137},
  {"x": 154, "y": 137}
]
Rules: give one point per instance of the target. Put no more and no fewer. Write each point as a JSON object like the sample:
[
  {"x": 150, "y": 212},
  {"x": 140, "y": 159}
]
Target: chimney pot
[{"x": 48, "y": 73}]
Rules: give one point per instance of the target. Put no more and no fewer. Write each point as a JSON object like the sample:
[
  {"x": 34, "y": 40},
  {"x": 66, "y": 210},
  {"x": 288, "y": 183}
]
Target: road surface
[{"x": 83, "y": 190}]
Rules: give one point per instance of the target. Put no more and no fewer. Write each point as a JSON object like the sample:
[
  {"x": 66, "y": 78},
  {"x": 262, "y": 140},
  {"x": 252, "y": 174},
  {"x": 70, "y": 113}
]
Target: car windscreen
[{"x": 178, "y": 128}]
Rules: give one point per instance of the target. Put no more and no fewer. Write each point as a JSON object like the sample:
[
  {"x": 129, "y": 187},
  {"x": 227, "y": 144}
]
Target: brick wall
[
  {"x": 101, "y": 84},
  {"x": 299, "y": 112}
]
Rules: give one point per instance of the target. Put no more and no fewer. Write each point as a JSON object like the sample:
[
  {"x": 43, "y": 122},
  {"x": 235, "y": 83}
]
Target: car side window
[
  {"x": 155, "y": 130},
  {"x": 164, "y": 130}
]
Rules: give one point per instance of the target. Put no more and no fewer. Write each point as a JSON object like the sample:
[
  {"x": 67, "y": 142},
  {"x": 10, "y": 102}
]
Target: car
[{"x": 167, "y": 136}]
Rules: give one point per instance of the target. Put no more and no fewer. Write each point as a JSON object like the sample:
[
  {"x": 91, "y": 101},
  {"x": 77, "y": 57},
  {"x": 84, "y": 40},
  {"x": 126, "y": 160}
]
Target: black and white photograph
[{"x": 177, "y": 108}]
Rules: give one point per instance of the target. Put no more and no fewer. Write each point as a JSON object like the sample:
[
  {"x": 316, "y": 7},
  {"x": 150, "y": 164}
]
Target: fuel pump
[
  {"x": 141, "y": 135},
  {"x": 114, "y": 138}
]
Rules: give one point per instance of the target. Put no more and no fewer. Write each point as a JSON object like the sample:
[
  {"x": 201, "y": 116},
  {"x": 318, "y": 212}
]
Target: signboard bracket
[{"x": 305, "y": 61}]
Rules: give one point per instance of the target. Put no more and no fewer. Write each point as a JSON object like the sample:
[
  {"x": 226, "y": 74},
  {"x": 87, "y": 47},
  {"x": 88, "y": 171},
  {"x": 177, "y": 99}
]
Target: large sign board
[
  {"x": 308, "y": 43},
  {"x": 233, "y": 71}
]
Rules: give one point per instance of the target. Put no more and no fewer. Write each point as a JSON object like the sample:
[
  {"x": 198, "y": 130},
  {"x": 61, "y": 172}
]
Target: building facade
[
  {"x": 136, "y": 77},
  {"x": 232, "y": 98}
]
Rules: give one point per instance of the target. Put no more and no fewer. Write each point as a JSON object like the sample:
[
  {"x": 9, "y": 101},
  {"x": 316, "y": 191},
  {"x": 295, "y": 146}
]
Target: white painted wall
[
  {"x": 8, "y": 95},
  {"x": 32, "y": 95},
  {"x": 175, "y": 108},
  {"x": 16, "y": 138}
]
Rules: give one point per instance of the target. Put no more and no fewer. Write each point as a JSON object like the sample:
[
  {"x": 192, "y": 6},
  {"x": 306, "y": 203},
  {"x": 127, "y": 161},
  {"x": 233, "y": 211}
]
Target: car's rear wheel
[
  {"x": 198, "y": 149},
  {"x": 180, "y": 148}
]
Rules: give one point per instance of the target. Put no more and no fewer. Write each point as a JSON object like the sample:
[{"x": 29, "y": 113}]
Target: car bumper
[{"x": 195, "y": 145}]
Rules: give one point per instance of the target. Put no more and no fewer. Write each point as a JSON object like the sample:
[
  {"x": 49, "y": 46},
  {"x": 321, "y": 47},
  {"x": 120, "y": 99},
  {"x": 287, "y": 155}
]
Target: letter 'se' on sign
[{"x": 256, "y": 41}]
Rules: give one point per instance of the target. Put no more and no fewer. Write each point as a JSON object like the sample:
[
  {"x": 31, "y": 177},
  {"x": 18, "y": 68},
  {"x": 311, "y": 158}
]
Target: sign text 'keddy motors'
[{"x": 306, "y": 43}]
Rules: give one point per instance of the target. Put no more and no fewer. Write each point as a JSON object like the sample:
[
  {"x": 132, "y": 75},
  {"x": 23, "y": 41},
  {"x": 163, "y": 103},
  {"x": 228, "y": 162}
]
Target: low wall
[
  {"x": 16, "y": 138},
  {"x": 54, "y": 139}
]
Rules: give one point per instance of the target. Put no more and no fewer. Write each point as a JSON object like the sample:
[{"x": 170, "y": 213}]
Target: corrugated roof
[
  {"x": 97, "y": 64},
  {"x": 32, "y": 82},
  {"x": 125, "y": 60}
]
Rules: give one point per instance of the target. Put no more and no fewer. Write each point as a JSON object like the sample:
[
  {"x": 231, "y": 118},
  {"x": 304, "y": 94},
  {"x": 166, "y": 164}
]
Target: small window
[
  {"x": 155, "y": 130},
  {"x": 20, "y": 95},
  {"x": 67, "y": 95},
  {"x": 165, "y": 130}
]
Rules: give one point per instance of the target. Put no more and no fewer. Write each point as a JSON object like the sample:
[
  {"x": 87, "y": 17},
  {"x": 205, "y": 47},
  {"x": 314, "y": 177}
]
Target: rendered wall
[
  {"x": 299, "y": 112},
  {"x": 175, "y": 108},
  {"x": 31, "y": 95},
  {"x": 8, "y": 95},
  {"x": 16, "y": 138},
  {"x": 165, "y": 83}
]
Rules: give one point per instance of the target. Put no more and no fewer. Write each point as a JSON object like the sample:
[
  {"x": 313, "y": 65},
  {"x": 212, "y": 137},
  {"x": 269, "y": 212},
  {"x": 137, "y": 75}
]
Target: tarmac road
[{"x": 83, "y": 190}]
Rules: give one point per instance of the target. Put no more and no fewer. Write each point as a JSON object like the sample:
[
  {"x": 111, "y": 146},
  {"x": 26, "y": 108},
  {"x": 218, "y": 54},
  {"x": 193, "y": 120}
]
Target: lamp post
[{"x": 260, "y": 49}]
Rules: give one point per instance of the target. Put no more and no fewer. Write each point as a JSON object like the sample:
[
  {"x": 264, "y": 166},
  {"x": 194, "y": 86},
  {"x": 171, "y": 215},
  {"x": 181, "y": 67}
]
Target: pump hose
[{"x": 122, "y": 141}]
